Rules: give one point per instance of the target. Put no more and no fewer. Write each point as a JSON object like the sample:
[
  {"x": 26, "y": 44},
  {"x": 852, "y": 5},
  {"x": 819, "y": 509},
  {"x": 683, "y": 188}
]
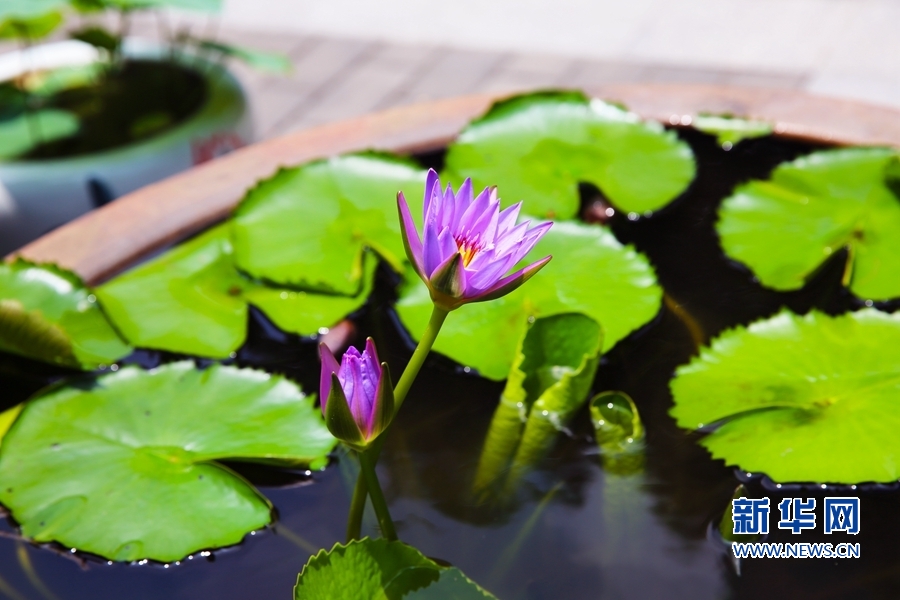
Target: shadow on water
[{"x": 571, "y": 530}]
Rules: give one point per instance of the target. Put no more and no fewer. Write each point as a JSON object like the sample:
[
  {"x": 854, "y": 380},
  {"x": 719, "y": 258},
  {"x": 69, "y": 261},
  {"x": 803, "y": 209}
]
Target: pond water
[{"x": 571, "y": 531}]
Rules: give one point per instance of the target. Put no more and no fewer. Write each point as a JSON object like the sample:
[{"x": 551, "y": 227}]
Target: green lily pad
[
  {"x": 591, "y": 273},
  {"x": 307, "y": 226},
  {"x": 813, "y": 398},
  {"x": 29, "y": 129},
  {"x": 30, "y": 28},
  {"x": 786, "y": 227},
  {"x": 191, "y": 300},
  {"x": 127, "y": 469},
  {"x": 550, "y": 379},
  {"x": 538, "y": 147},
  {"x": 381, "y": 570},
  {"x": 730, "y": 130},
  {"x": 49, "y": 315}
]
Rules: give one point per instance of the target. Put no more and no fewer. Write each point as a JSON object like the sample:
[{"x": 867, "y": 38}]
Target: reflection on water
[{"x": 569, "y": 531}]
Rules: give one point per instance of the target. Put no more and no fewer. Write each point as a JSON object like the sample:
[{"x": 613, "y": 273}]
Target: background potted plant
[{"x": 87, "y": 119}]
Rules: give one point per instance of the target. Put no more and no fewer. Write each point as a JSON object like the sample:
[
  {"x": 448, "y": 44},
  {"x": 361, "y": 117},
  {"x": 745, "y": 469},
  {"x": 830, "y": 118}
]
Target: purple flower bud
[
  {"x": 469, "y": 244},
  {"x": 357, "y": 396}
]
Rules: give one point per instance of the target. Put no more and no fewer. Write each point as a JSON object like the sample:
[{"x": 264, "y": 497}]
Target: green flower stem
[
  {"x": 367, "y": 470},
  {"x": 361, "y": 490}
]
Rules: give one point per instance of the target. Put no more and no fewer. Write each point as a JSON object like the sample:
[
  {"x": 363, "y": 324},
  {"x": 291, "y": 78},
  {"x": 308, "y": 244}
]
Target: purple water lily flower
[
  {"x": 469, "y": 244},
  {"x": 357, "y": 396}
]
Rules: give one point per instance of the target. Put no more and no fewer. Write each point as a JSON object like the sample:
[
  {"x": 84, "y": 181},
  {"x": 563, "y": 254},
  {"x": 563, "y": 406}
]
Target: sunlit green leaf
[
  {"x": 813, "y": 398},
  {"x": 591, "y": 273},
  {"x": 538, "y": 147},
  {"x": 786, "y": 227},
  {"x": 307, "y": 226},
  {"x": 127, "y": 469},
  {"x": 28, "y": 9},
  {"x": 198, "y": 5},
  {"x": 730, "y": 130},
  {"x": 28, "y": 130},
  {"x": 549, "y": 381},
  {"x": 31, "y": 27},
  {"x": 49, "y": 315},
  {"x": 192, "y": 300},
  {"x": 381, "y": 570},
  {"x": 49, "y": 83}
]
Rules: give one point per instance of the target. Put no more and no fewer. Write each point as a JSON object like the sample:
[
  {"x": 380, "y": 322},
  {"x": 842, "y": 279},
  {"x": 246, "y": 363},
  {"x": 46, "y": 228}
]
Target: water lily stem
[
  {"x": 361, "y": 490},
  {"x": 367, "y": 470}
]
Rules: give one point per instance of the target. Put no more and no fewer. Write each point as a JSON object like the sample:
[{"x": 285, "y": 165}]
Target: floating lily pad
[
  {"x": 591, "y": 273},
  {"x": 538, "y": 147},
  {"x": 786, "y": 227},
  {"x": 812, "y": 398},
  {"x": 29, "y": 19},
  {"x": 384, "y": 570},
  {"x": 192, "y": 300},
  {"x": 307, "y": 226},
  {"x": 549, "y": 381},
  {"x": 127, "y": 469},
  {"x": 29, "y": 129},
  {"x": 49, "y": 315},
  {"x": 730, "y": 130}
]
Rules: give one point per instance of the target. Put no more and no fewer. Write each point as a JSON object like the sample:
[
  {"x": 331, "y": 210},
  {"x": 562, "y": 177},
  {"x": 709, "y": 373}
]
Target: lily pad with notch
[
  {"x": 539, "y": 147},
  {"x": 382, "y": 569},
  {"x": 128, "y": 468},
  {"x": 192, "y": 300},
  {"x": 785, "y": 228},
  {"x": 48, "y": 314},
  {"x": 808, "y": 398},
  {"x": 307, "y": 227},
  {"x": 591, "y": 273}
]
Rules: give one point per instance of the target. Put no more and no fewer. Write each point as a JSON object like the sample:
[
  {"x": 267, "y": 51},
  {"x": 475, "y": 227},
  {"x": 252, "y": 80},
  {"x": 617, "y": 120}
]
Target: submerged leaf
[
  {"x": 813, "y": 398},
  {"x": 538, "y": 147},
  {"x": 591, "y": 273},
  {"x": 307, "y": 226},
  {"x": 127, "y": 469},
  {"x": 553, "y": 371},
  {"x": 192, "y": 300},
  {"x": 786, "y": 227},
  {"x": 381, "y": 569},
  {"x": 49, "y": 315},
  {"x": 619, "y": 432}
]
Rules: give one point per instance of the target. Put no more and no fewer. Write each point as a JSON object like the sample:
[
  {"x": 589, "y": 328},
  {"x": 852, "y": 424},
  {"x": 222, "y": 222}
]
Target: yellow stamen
[{"x": 467, "y": 252}]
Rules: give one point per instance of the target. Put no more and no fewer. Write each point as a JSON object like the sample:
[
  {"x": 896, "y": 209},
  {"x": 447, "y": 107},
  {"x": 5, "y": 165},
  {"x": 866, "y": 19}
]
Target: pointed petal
[
  {"x": 338, "y": 418},
  {"x": 430, "y": 180},
  {"x": 508, "y": 242},
  {"x": 509, "y": 284},
  {"x": 530, "y": 239},
  {"x": 431, "y": 250},
  {"x": 450, "y": 277},
  {"x": 411, "y": 241},
  {"x": 475, "y": 210},
  {"x": 486, "y": 276},
  {"x": 485, "y": 226},
  {"x": 383, "y": 410},
  {"x": 508, "y": 218},
  {"x": 329, "y": 366}
]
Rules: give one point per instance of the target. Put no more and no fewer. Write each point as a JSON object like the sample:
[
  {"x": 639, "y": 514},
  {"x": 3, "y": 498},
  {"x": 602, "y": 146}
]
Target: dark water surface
[{"x": 572, "y": 531}]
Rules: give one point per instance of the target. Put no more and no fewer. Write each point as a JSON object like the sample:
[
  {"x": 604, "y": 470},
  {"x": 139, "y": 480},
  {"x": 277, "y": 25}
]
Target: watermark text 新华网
[{"x": 751, "y": 517}]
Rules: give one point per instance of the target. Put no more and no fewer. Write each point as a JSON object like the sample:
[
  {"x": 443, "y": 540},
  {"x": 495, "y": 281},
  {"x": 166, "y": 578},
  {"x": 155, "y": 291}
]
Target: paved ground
[
  {"x": 336, "y": 78},
  {"x": 355, "y": 56}
]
